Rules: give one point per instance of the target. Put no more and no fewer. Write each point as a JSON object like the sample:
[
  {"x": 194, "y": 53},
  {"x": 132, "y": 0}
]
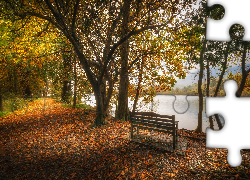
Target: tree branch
[
  {"x": 122, "y": 40},
  {"x": 42, "y": 31},
  {"x": 94, "y": 50},
  {"x": 74, "y": 17}
]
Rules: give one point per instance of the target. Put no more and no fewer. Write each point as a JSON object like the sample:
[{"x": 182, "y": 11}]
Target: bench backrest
[{"x": 153, "y": 120}]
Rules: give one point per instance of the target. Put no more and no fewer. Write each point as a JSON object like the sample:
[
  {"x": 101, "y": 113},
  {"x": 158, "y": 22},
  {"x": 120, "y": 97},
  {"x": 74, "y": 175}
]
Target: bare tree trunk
[
  {"x": 244, "y": 72},
  {"x": 138, "y": 86},
  {"x": 15, "y": 80},
  {"x": 223, "y": 71},
  {"x": 101, "y": 104},
  {"x": 75, "y": 84},
  {"x": 219, "y": 83},
  {"x": 24, "y": 82},
  {"x": 66, "y": 89},
  {"x": 1, "y": 99},
  {"x": 99, "y": 107},
  {"x": 124, "y": 80},
  {"x": 208, "y": 87},
  {"x": 27, "y": 91},
  {"x": 199, "y": 127}
]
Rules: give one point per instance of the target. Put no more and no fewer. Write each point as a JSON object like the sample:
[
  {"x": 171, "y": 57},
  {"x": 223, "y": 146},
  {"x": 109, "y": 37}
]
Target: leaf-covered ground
[{"x": 51, "y": 141}]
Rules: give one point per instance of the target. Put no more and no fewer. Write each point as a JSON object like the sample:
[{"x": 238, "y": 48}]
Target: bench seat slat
[
  {"x": 150, "y": 114},
  {"x": 153, "y": 118},
  {"x": 154, "y": 124},
  {"x": 152, "y": 121},
  {"x": 156, "y": 127}
]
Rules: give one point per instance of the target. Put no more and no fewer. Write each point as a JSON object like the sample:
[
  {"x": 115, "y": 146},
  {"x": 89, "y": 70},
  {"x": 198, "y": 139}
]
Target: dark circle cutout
[
  {"x": 237, "y": 31},
  {"x": 216, "y": 12}
]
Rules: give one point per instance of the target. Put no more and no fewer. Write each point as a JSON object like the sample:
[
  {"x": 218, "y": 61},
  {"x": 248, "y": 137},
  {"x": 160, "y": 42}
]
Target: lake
[{"x": 163, "y": 104}]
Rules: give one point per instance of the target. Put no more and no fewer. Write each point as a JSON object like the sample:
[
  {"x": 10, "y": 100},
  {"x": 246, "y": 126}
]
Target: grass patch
[
  {"x": 4, "y": 113},
  {"x": 7, "y": 103},
  {"x": 15, "y": 104}
]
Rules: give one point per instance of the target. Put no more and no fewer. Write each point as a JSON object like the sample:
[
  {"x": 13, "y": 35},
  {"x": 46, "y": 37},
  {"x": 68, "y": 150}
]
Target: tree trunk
[
  {"x": 27, "y": 91},
  {"x": 100, "y": 107},
  {"x": 208, "y": 87},
  {"x": 219, "y": 83},
  {"x": 1, "y": 100},
  {"x": 223, "y": 71},
  {"x": 97, "y": 89},
  {"x": 75, "y": 84},
  {"x": 15, "y": 80},
  {"x": 242, "y": 85},
  {"x": 100, "y": 112},
  {"x": 25, "y": 82},
  {"x": 124, "y": 81},
  {"x": 218, "y": 121},
  {"x": 244, "y": 72},
  {"x": 66, "y": 89},
  {"x": 138, "y": 87},
  {"x": 199, "y": 127}
]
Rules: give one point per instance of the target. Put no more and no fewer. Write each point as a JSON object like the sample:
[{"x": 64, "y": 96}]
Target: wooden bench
[{"x": 155, "y": 122}]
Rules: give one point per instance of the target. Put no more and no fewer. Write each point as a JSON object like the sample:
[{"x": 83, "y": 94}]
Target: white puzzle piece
[
  {"x": 236, "y": 131},
  {"x": 236, "y": 12}
]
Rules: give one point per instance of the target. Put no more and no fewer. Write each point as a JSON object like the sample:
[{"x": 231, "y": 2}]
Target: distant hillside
[
  {"x": 192, "y": 89},
  {"x": 192, "y": 78}
]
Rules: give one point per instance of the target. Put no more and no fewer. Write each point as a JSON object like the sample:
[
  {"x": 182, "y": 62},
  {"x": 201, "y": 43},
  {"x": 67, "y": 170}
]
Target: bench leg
[
  {"x": 174, "y": 141},
  {"x": 176, "y": 136}
]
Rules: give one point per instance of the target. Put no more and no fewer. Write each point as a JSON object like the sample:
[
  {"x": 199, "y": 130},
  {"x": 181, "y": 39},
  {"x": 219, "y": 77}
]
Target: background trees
[
  {"x": 132, "y": 48},
  {"x": 96, "y": 30},
  {"x": 23, "y": 57}
]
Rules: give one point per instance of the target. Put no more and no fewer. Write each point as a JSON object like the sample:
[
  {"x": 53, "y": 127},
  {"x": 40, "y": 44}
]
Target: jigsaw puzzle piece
[
  {"x": 236, "y": 129},
  {"x": 236, "y": 12}
]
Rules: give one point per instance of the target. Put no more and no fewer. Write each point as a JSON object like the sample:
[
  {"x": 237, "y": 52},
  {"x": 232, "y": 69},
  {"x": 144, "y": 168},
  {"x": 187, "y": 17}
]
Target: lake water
[{"x": 163, "y": 104}]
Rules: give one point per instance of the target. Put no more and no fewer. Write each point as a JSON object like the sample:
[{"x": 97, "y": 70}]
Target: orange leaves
[
  {"x": 170, "y": 174},
  {"x": 73, "y": 175},
  {"x": 122, "y": 173},
  {"x": 172, "y": 158},
  {"x": 74, "y": 150},
  {"x": 133, "y": 175},
  {"x": 216, "y": 164}
]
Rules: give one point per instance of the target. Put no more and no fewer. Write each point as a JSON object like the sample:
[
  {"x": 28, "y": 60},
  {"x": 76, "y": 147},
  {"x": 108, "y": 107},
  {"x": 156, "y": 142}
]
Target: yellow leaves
[{"x": 170, "y": 174}]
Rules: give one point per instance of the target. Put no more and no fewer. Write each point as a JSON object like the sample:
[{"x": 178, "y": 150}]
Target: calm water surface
[{"x": 163, "y": 104}]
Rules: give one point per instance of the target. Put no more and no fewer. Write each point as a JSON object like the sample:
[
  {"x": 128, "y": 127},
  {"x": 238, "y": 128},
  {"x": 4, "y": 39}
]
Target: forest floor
[{"x": 52, "y": 141}]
